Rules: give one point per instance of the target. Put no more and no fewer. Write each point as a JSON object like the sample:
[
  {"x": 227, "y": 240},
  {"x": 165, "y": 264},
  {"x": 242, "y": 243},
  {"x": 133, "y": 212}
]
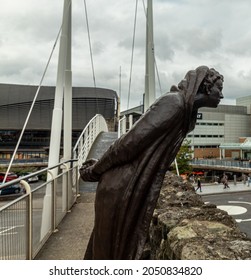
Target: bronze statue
[{"x": 131, "y": 171}]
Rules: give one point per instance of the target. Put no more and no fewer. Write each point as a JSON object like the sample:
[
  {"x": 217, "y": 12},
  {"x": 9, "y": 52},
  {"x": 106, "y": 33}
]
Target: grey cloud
[
  {"x": 98, "y": 47},
  {"x": 187, "y": 33},
  {"x": 240, "y": 47},
  {"x": 198, "y": 41},
  {"x": 164, "y": 49}
]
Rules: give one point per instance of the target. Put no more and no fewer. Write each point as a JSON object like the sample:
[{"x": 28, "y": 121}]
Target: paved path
[
  {"x": 71, "y": 239},
  {"x": 218, "y": 188}
]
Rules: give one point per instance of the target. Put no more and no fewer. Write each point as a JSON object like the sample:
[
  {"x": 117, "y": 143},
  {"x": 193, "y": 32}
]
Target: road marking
[
  {"x": 244, "y": 202},
  {"x": 242, "y": 220},
  {"x": 4, "y": 234},
  {"x": 6, "y": 229},
  {"x": 233, "y": 209}
]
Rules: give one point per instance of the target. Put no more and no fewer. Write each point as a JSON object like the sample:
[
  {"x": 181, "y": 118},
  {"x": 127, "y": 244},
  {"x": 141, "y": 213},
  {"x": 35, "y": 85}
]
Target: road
[
  {"x": 11, "y": 232},
  {"x": 4, "y": 201},
  {"x": 237, "y": 204}
]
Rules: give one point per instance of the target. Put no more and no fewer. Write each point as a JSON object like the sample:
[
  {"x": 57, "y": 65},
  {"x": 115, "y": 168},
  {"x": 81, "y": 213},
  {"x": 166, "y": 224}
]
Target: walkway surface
[
  {"x": 69, "y": 242},
  {"x": 71, "y": 239},
  {"x": 218, "y": 188}
]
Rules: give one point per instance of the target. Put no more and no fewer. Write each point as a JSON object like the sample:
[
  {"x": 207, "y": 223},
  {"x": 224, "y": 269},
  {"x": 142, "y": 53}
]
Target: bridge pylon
[{"x": 63, "y": 92}]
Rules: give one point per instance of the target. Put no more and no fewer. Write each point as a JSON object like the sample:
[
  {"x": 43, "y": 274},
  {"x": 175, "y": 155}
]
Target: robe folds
[{"x": 132, "y": 172}]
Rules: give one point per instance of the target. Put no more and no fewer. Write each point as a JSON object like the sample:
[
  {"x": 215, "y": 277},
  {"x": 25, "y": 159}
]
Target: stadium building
[{"x": 15, "y": 103}]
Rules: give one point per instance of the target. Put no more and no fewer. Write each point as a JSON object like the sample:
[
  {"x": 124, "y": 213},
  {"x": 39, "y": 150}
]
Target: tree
[{"x": 184, "y": 157}]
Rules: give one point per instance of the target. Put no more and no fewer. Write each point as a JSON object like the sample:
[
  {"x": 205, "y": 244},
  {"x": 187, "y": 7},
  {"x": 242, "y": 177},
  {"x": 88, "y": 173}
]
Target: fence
[
  {"x": 82, "y": 147},
  {"x": 28, "y": 221},
  {"x": 222, "y": 163}
]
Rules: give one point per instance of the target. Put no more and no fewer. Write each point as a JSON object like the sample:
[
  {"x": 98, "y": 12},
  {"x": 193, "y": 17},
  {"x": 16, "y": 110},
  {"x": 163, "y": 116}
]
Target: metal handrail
[
  {"x": 94, "y": 119},
  {"x": 122, "y": 126},
  {"x": 223, "y": 163},
  {"x": 36, "y": 173},
  {"x": 57, "y": 194},
  {"x": 82, "y": 147},
  {"x": 21, "y": 220}
]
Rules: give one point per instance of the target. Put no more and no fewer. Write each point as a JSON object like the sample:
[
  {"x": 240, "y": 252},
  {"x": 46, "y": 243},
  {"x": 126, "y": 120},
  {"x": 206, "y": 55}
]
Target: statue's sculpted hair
[{"x": 210, "y": 79}]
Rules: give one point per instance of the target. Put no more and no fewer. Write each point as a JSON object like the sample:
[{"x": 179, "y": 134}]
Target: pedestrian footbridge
[
  {"x": 222, "y": 165},
  {"x": 27, "y": 222}
]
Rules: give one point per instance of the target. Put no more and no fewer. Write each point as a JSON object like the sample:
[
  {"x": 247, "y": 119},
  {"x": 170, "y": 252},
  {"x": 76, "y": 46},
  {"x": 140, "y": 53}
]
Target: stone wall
[{"x": 184, "y": 228}]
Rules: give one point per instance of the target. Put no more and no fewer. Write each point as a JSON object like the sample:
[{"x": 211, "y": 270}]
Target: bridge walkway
[{"x": 70, "y": 240}]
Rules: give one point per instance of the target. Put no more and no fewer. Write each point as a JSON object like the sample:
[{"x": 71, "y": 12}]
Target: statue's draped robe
[{"x": 132, "y": 171}]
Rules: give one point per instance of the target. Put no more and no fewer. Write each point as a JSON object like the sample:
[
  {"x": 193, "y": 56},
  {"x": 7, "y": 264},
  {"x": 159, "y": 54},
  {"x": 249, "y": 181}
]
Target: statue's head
[
  {"x": 210, "y": 89},
  {"x": 203, "y": 86},
  {"x": 211, "y": 78}
]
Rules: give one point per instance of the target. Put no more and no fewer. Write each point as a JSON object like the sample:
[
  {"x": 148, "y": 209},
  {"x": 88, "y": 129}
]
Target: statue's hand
[{"x": 86, "y": 171}]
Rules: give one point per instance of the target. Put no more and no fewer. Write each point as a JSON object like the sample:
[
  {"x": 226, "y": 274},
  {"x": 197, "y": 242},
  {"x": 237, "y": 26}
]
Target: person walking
[
  {"x": 248, "y": 179},
  {"x": 198, "y": 185},
  {"x": 225, "y": 182}
]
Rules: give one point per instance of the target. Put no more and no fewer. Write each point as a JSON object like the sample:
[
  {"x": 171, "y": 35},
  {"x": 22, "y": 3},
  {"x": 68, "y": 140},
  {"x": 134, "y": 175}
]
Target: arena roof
[
  {"x": 11, "y": 94},
  {"x": 16, "y": 100}
]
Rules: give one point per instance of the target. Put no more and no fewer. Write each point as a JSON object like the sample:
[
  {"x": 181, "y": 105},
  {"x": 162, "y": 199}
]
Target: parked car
[
  {"x": 14, "y": 189},
  {"x": 32, "y": 179},
  {"x": 10, "y": 176}
]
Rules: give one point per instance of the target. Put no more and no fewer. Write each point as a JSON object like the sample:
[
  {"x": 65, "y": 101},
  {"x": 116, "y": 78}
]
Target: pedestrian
[
  {"x": 198, "y": 185},
  {"x": 132, "y": 170},
  {"x": 249, "y": 179},
  {"x": 192, "y": 179},
  {"x": 225, "y": 182}
]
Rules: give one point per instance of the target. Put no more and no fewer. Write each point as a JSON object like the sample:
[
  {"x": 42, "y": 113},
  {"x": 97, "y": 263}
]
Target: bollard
[
  {"x": 244, "y": 179},
  {"x": 235, "y": 181}
]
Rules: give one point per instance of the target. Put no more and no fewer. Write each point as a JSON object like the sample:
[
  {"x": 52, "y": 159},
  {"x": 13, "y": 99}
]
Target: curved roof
[
  {"x": 13, "y": 94},
  {"x": 15, "y": 102}
]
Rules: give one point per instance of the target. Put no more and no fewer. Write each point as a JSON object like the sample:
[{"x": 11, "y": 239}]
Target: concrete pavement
[
  {"x": 69, "y": 242},
  {"x": 218, "y": 188}
]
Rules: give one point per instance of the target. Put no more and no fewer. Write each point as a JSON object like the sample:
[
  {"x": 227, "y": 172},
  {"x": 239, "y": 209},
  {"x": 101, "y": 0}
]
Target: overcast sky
[{"x": 187, "y": 33}]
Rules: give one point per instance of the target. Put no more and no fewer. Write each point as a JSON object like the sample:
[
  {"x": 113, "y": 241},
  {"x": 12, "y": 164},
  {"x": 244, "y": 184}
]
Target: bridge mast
[
  {"x": 63, "y": 92},
  {"x": 68, "y": 94},
  {"x": 149, "y": 96}
]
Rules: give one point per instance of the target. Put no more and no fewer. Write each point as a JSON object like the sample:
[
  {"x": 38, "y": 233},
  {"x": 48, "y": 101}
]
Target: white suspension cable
[
  {"x": 91, "y": 55},
  {"x": 133, "y": 41},
  {"x": 90, "y": 47},
  {"x": 31, "y": 108}
]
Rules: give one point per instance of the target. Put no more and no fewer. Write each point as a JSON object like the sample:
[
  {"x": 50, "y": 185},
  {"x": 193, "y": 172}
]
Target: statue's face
[{"x": 215, "y": 95}]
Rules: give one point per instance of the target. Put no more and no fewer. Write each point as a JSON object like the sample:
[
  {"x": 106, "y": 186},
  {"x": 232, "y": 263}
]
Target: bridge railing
[
  {"x": 21, "y": 220},
  {"x": 83, "y": 146},
  {"x": 219, "y": 162},
  {"x": 25, "y": 226},
  {"x": 122, "y": 126}
]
